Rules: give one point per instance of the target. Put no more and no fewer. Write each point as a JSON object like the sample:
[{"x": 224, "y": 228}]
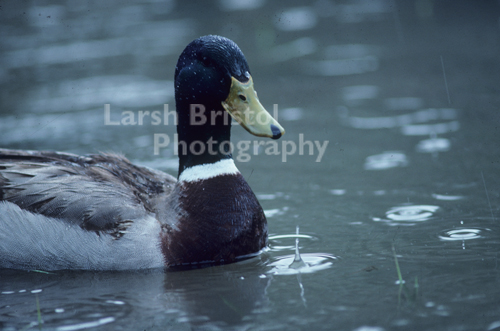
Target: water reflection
[
  {"x": 297, "y": 48},
  {"x": 447, "y": 197},
  {"x": 145, "y": 38},
  {"x": 94, "y": 92},
  {"x": 386, "y": 160},
  {"x": 433, "y": 145},
  {"x": 231, "y": 5},
  {"x": 295, "y": 19},
  {"x": 343, "y": 67},
  {"x": 215, "y": 296},
  {"x": 338, "y": 191},
  {"x": 361, "y": 99},
  {"x": 403, "y": 103},
  {"x": 349, "y": 51},
  {"x": 405, "y": 121},
  {"x": 78, "y": 310},
  {"x": 357, "y": 94},
  {"x": 291, "y": 114},
  {"x": 429, "y": 129}
]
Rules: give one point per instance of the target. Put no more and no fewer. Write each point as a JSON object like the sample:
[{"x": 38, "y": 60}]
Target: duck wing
[{"x": 102, "y": 193}]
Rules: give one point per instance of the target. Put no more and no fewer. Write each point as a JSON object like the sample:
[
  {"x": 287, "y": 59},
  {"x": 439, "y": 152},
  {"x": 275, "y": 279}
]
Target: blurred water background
[{"x": 398, "y": 218}]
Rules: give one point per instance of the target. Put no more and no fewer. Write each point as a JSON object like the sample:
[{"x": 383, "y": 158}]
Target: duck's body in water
[{"x": 100, "y": 212}]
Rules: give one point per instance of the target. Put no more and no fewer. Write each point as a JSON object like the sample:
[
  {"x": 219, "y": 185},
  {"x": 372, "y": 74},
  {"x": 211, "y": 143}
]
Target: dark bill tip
[{"x": 276, "y": 132}]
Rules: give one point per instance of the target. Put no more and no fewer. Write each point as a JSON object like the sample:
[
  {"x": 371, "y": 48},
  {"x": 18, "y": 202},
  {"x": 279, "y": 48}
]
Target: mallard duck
[{"x": 100, "y": 212}]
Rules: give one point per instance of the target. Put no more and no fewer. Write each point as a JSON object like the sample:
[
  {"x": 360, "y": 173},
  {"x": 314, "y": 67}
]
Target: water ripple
[
  {"x": 298, "y": 263},
  {"x": 277, "y": 242},
  {"x": 407, "y": 122},
  {"x": 312, "y": 262},
  {"x": 86, "y": 325},
  {"x": 462, "y": 234},
  {"x": 411, "y": 214}
]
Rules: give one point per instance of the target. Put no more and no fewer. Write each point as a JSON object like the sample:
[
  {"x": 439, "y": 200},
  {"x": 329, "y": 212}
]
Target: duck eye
[{"x": 242, "y": 97}]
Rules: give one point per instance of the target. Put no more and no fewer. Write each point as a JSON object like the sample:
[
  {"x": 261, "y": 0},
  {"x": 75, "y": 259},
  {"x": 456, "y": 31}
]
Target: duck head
[{"x": 212, "y": 81}]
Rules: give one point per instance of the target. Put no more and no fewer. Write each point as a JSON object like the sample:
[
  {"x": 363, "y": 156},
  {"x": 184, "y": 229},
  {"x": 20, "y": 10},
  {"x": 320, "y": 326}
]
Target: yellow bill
[{"x": 244, "y": 106}]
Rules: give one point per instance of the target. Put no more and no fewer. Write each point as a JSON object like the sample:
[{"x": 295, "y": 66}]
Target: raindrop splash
[
  {"x": 462, "y": 234},
  {"x": 297, "y": 263}
]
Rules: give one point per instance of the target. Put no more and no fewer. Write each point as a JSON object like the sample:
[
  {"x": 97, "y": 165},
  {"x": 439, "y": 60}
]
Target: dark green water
[{"x": 403, "y": 97}]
